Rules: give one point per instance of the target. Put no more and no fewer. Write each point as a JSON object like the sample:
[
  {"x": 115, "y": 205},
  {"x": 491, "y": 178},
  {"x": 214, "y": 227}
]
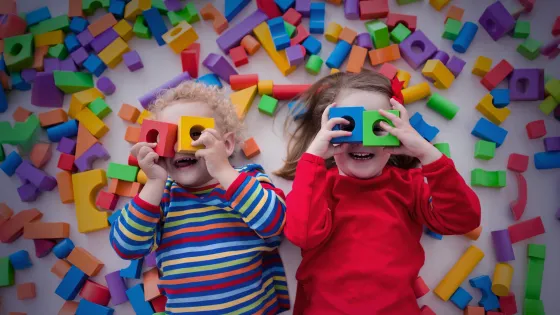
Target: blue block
[
  {"x": 68, "y": 129},
  {"x": 210, "y": 79},
  {"x": 312, "y": 45},
  {"x": 486, "y": 130},
  {"x": 278, "y": 33},
  {"x": 355, "y": 115},
  {"x": 3, "y": 101},
  {"x": 233, "y": 7},
  {"x": 114, "y": 216},
  {"x": 94, "y": 65},
  {"x": 71, "y": 42},
  {"x": 63, "y": 249},
  {"x": 136, "y": 297},
  {"x": 117, "y": 8},
  {"x": 37, "y": 16},
  {"x": 339, "y": 54},
  {"x": 489, "y": 300},
  {"x": 284, "y": 5},
  {"x": 12, "y": 161},
  {"x": 20, "y": 260},
  {"x": 18, "y": 83},
  {"x": 298, "y": 112},
  {"x": 78, "y": 25},
  {"x": 433, "y": 234},
  {"x": 500, "y": 97},
  {"x": 461, "y": 298},
  {"x": 2, "y": 63},
  {"x": 465, "y": 37},
  {"x": 133, "y": 270},
  {"x": 317, "y": 18},
  {"x": 86, "y": 307},
  {"x": 546, "y": 160},
  {"x": 71, "y": 284},
  {"x": 155, "y": 24},
  {"x": 427, "y": 131}
]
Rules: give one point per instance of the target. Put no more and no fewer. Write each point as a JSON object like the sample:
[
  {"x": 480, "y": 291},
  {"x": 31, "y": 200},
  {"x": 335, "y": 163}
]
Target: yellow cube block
[
  {"x": 112, "y": 54},
  {"x": 180, "y": 37},
  {"x": 332, "y": 32},
  {"x": 124, "y": 30},
  {"x": 82, "y": 99},
  {"x": 436, "y": 70},
  {"x": 86, "y": 185},
  {"x": 403, "y": 76},
  {"x": 49, "y": 38},
  {"x": 265, "y": 87},
  {"x": 481, "y": 66},
  {"x": 438, "y": 4},
  {"x": 416, "y": 92},
  {"x": 487, "y": 108},
  {"x": 143, "y": 115},
  {"x": 92, "y": 123},
  {"x": 334, "y": 70},
  {"x": 189, "y": 127}
]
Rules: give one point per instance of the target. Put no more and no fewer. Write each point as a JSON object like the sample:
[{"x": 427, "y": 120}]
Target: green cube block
[
  {"x": 192, "y": 13},
  {"x": 484, "y": 150},
  {"x": 552, "y": 87},
  {"x": 400, "y": 33},
  {"x": 122, "y": 171},
  {"x": 72, "y": 82},
  {"x": 18, "y": 52},
  {"x": 530, "y": 48},
  {"x": 60, "y": 22},
  {"x": 482, "y": 178},
  {"x": 451, "y": 29},
  {"x": 444, "y": 148},
  {"x": 90, "y": 6},
  {"x": 536, "y": 251},
  {"x": 160, "y": 5},
  {"x": 522, "y": 29},
  {"x": 140, "y": 29},
  {"x": 313, "y": 65},
  {"x": 370, "y": 139},
  {"x": 290, "y": 29},
  {"x": 548, "y": 105},
  {"x": 443, "y": 106},
  {"x": 379, "y": 33},
  {"x": 2, "y": 154},
  {"x": 58, "y": 51},
  {"x": 100, "y": 108},
  {"x": 6, "y": 272},
  {"x": 533, "y": 307},
  {"x": 268, "y": 105}
]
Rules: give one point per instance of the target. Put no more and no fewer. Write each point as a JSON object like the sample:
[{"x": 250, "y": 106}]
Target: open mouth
[
  {"x": 361, "y": 156},
  {"x": 185, "y": 162}
]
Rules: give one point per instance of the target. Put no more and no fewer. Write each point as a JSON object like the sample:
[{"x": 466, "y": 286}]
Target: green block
[
  {"x": 451, "y": 29},
  {"x": 399, "y": 33},
  {"x": 140, "y": 29},
  {"x": 536, "y": 251},
  {"x": 100, "y": 108},
  {"x": 290, "y": 29},
  {"x": 313, "y": 65},
  {"x": 401, "y": 2},
  {"x": 158, "y": 4},
  {"x": 482, "y": 178},
  {"x": 18, "y": 52},
  {"x": 443, "y": 106},
  {"x": 192, "y": 13},
  {"x": 522, "y": 29},
  {"x": 533, "y": 283},
  {"x": 444, "y": 148},
  {"x": 268, "y": 105},
  {"x": 530, "y": 48},
  {"x": 2, "y": 154},
  {"x": 484, "y": 150},
  {"x": 547, "y": 77},
  {"x": 72, "y": 82},
  {"x": 548, "y": 105},
  {"x": 176, "y": 17},
  {"x": 379, "y": 33},
  {"x": 370, "y": 139},
  {"x": 90, "y": 6},
  {"x": 6, "y": 272},
  {"x": 60, "y": 22},
  {"x": 23, "y": 134},
  {"x": 533, "y": 307},
  {"x": 58, "y": 51},
  {"x": 122, "y": 171},
  {"x": 552, "y": 87}
]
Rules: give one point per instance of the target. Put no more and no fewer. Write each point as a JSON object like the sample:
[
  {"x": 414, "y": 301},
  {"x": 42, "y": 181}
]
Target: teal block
[
  {"x": 122, "y": 171},
  {"x": 371, "y": 118}
]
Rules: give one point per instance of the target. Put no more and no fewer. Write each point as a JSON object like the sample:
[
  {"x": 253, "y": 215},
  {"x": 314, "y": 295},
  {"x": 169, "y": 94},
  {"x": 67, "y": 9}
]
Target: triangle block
[
  {"x": 84, "y": 141},
  {"x": 243, "y": 100},
  {"x": 233, "y": 7}
]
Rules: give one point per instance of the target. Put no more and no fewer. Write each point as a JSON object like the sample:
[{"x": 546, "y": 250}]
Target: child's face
[{"x": 355, "y": 160}]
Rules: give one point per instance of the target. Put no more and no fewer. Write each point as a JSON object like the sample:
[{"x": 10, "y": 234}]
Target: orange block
[
  {"x": 102, "y": 24},
  {"x": 53, "y": 117},
  {"x": 250, "y": 44},
  {"x": 124, "y": 188},
  {"x": 46, "y": 230},
  {"x": 474, "y": 310},
  {"x": 75, "y": 8},
  {"x": 5, "y": 80},
  {"x": 356, "y": 60},
  {"x": 68, "y": 308},
  {"x": 39, "y": 57},
  {"x": 455, "y": 13},
  {"x": 13, "y": 228},
  {"x": 26, "y": 291},
  {"x": 250, "y": 148},
  {"x": 60, "y": 268},
  {"x": 84, "y": 141},
  {"x": 40, "y": 154},
  {"x": 348, "y": 35},
  {"x": 85, "y": 261},
  {"x": 219, "y": 22},
  {"x": 132, "y": 134},
  {"x": 1, "y": 46},
  {"x": 21, "y": 114},
  {"x": 379, "y": 56},
  {"x": 65, "y": 188},
  {"x": 474, "y": 234},
  {"x": 5, "y": 213},
  {"x": 129, "y": 113},
  {"x": 151, "y": 280}
]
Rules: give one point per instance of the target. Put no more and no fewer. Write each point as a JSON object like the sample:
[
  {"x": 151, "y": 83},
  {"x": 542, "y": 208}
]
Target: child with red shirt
[{"x": 357, "y": 212}]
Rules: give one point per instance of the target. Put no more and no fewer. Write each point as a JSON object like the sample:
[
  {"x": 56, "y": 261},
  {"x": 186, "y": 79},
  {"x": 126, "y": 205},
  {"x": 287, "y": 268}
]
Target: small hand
[
  {"x": 149, "y": 161},
  {"x": 215, "y": 152},
  {"x": 321, "y": 145},
  {"x": 412, "y": 143}
]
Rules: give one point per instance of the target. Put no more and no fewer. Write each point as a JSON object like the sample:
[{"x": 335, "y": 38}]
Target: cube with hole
[
  {"x": 190, "y": 129},
  {"x": 374, "y": 135},
  {"x": 18, "y": 52},
  {"x": 164, "y": 134},
  {"x": 354, "y": 115}
]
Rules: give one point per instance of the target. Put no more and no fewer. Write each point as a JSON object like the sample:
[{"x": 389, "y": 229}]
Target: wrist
[
  {"x": 226, "y": 176},
  {"x": 429, "y": 155}
]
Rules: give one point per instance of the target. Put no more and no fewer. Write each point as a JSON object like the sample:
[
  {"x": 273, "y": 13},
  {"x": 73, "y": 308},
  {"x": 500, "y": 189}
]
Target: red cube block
[
  {"x": 106, "y": 200},
  {"x": 518, "y": 162},
  {"x": 292, "y": 16},
  {"x": 66, "y": 162},
  {"x": 373, "y": 9},
  {"x": 388, "y": 70},
  {"x": 556, "y": 27},
  {"x": 190, "y": 58},
  {"x": 536, "y": 129},
  {"x": 238, "y": 56}
]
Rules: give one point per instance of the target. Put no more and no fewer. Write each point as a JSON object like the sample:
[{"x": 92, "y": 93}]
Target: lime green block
[
  {"x": 313, "y": 65},
  {"x": 536, "y": 254},
  {"x": 533, "y": 307},
  {"x": 100, "y": 108},
  {"x": 370, "y": 139},
  {"x": 268, "y": 105},
  {"x": 536, "y": 251},
  {"x": 552, "y": 87},
  {"x": 18, "y": 52},
  {"x": 176, "y": 17},
  {"x": 530, "y": 48},
  {"x": 140, "y": 29},
  {"x": 480, "y": 177},
  {"x": 484, "y": 150},
  {"x": 60, "y": 22},
  {"x": 73, "y": 82},
  {"x": 2, "y": 154},
  {"x": 522, "y": 29},
  {"x": 58, "y": 51},
  {"x": 122, "y": 171},
  {"x": 379, "y": 33},
  {"x": 400, "y": 33},
  {"x": 444, "y": 148},
  {"x": 548, "y": 105},
  {"x": 290, "y": 29},
  {"x": 401, "y": 2},
  {"x": 6, "y": 272},
  {"x": 192, "y": 13},
  {"x": 90, "y": 6},
  {"x": 451, "y": 29},
  {"x": 23, "y": 134},
  {"x": 158, "y": 4}
]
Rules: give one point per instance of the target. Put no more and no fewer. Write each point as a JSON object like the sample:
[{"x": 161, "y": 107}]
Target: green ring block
[
  {"x": 100, "y": 108},
  {"x": 451, "y": 29},
  {"x": 6, "y": 272},
  {"x": 522, "y": 29},
  {"x": 140, "y": 29},
  {"x": 18, "y": 52},
  {"x": 290, "y": 29},
  {"x": 313, "y": 65},
  {"x": 379, "y": 33},
  {"x": 444, "y": 148},
  {"x": 72, "y": 82},
  {"x": 122, "y": 171},
  {"x": 530, "y": 48},
  {"x": 89, "y": 6},
  {"x": 400, "y": 33},
  {"x": 268, "y": 105},
  {"x": 370, "y": 139},
  {"x": 60, "y": 22},
  {"x": 548, "y": 105},
  {"x": 58, "y": 51},
  {"x": 443, "y": 106},
  {"x": 484, "y": 150},
  {"x": 483, "y": 178}
]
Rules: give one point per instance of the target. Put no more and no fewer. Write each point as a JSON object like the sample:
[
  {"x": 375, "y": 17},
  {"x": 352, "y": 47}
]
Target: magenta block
[
  {"x": 420, "y": 41},
  {"x": 51, "y": 64},
  {"x": 455, "y": 65},
  {"x": 45, "y": 93},
  {"x": 295, "y": 54},
  {"x": 66, "y": 145},
  {"x": 220, "y": 66},
  {"x": 117, "y": 287},
  {"x": 28, "y": 75},
  {"x": 28, "y": 192},
  {"x": 85, "y": 161},
  {"x": 303, "y": 7},
  {"x": 105, "y": 85},
  {"x": 552, "y": 144},
  {"x": 43, "y": 247},
  {"x": 150, "y": 260},
  {"x": 441, "y": 56},
  {"x": 173, "y": 5},
  {"x": 364, "y": 40},
  {"x": 79, "y": 56},
  {"x": 29, "y": 173},
  {"x": 551, "y": 47},
  {"x": 68, "y": 64},
  {"x": 85, "y": 38},
  {"x": 526, "y": 85},
  {"x": 103, "y": 40},
  {"x": 133, "y": 61},
  {"x": 232, "y": 37},
  {"x": 149, "y": 97},
  {"x": 502, "y": 245},
  {"x": 352, "y": 9},
  {"x": 496, "y": 20}
]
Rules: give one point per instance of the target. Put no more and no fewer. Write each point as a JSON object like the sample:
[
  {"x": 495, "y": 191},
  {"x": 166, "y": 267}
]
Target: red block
[
  {"x": 517, "y": 207},
  {"x": 269, "y": 8},
  {"x": 301, "y": 34},
  {"x": 536, "y": 129},
  {"x": 556, "y": 27},
  {"x": 159, "y": 303},
  {"x": 167, "y": 133},
  {"x": 526, "y": 229},
  {"x": 12, "y": 25},
  {"x": 388, "y": 70},
  {"x": 288, "y": 91},
  {"x": 426, "y": 310},
  {"x": 243, "y": 81},
  {"x": 106, "y": 200},
  {"x": 66, "y": 162},
  {"x": 420, "y": 288},
  {"x": 190, "y": 58},
  {"x": 95, "y": 293},
  {"x": 239, "y": 56},
  {"x": 527, "y": 4},
  {"x": 373, "y": 9},
  {"x": 497, "y": 75},
  {"x": 393, "y": 19},
  {"x": 292, "y": 16},
  {"x": 518, "y": 162},
  {"x": 132, "y": 161},
  {"x": 507, "y": 304}
]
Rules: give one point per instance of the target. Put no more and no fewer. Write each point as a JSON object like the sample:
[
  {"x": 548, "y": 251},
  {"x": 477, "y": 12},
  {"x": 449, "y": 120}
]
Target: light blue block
[
  {"x": 38, "y": 15},
  {"x": 210, "y": 79},
  {"x": 427, "y": 131},
  {"x": 339, "y": 54},
  {"x": 317, "y": 18},
  {"x": 312, "y": 45},
  {"x": 278, "y": 32},
  {"x": 486, "y": 130},
  {"x": 68, "y": 129}
]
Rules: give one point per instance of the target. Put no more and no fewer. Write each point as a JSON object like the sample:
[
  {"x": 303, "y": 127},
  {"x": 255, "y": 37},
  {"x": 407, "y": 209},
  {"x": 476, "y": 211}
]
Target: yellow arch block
[
  {"x": 262, "y": 32},
  {"x": 487, "y": 108},
  {"x": 180, "y": 37},
  {"x": 112, "y": 54},
  {"x": 186, "y": 124},
  {"x": 86, "y": 185},
  {"x": 503, "y": 273},
  {"x": 416, "y": 92},
  {"x": 459, "y": 272},
  {"x": 243, "y": 100},
  {"x": 436, "y": 70}
]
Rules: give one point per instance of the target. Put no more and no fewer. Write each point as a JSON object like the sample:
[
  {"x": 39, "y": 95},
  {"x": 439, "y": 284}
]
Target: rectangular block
[
  {"x": 526, "y": 229},
  {"x": 46, "y": 230},
  {"x": 86, "y": 262},
  {"x": 122, "y": 172},
  {"x": 71, "y": 284}
]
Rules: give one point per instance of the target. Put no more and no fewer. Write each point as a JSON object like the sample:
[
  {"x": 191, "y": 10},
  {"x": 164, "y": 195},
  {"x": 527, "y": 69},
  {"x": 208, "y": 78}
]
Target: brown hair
[{"x": 315, "y": 100}]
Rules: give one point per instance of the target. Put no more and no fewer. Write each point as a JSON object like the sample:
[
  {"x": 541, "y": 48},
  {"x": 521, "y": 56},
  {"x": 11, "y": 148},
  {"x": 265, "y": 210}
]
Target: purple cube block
[
  {"x": 352, "y": 9},
  {"x": 68, "y": 64},
  {"x": 295, "y": 54},
  {"x": 79, "y": 56},
  {"x": 103, "y": 40},
  {"x": 45, "y": 93},
  {"x": 28, "y": 192},
  {"x": 85, "y": 38},
  {"x": 51, "y": 64},
  {"x": 149, "y": 97},
  {"x": 105, "y": 85},
  {"x": 66, "y": 145},
  {"x": 418, "y": 41},
  {"x": 502, "y": 245},
  {"x": 552, "y": 144},
  {"x": 85, "y": 161},
  {"x": 496, "y": 20},
  {"x": 28, "y": 75},
  {"x": 133, "y": 61},
  {"x": 441, "y": 56},
  {"x": 117, "y": 287},
  {"x": 173, "y": 5},
  {"x": 526, "y": 85},
  {"x": 29, "y": 173},
  {"x": 364, "y": 40},
  {"x": 220, "y": 66},
  {"x": 303, "y": 7},
  {"x": 455, "y": 65}
]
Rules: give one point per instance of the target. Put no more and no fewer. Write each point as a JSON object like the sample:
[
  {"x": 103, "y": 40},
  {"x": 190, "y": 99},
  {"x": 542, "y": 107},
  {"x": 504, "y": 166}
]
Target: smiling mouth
[
  {"x": 185, "y": 162},
  {"x": 361, "y": 156}
]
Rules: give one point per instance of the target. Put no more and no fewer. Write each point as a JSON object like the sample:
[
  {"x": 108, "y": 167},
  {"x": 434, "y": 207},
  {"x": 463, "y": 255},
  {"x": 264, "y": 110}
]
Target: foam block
[
  {"x": 136, "y": 298},
  {"x": 46, "y": 230},
  {"x": 496, "y": 20},
  {"x": 416, "y": 59},
  {"x": 526, "y": 229},
  {"x": 262, "y": 33},
  {"x": 20, "y": 260},
  {"x": 317, "y": 18},
  {"x": 190, "y": 59},
  {"x": 29, "y": 173},
  {"x": 149, "y": 97},
  {"x": 461, "y": 298},
  {"x": 11, "y": 163},
  {"x": 465, "y": 37},
  {"x": 459, "y": 272},
  {"x": 497, "y": 75},
  {"x": 502, "y": 246},
  {"x": 86, "y": 307},
  {"x": 71, "y": 284},
  {"x": 166, "y": 132},
  {"x": 536, "y": 129},
  {"x": 420, "y": 288},
  {"x": 436, "y": 70},
  {"x": 533, "y": 79},
  {"x": 482, "y": 178},
  {"x": 85, "y": 261},
  {"x": 488, "y": 131},
  {"x": 60, "y": 268},
  {"x": 45, "y": 93},
  {"x": 489, "y": 300},
  {"x": 133, "y": 61},
  {"x": 63, "y": 248},
  {"x": 85, "y": 186},
  {"x": 427, "y": 131},
  {"x": 189, "y": 127},
  {"x": 250, "y": 148},
  {"x": 232, "y": 37},
  {"x": 354, "y": 115}
]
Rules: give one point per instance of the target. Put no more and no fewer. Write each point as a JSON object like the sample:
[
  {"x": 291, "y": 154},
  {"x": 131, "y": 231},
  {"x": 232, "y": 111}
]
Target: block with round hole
[
  {"x": 180, "y": 37},
  {"x": 164, "y": 134},
  {"x": 18, "y": 52},
  {"x": 189, "y": 130},
  {"x": 371, "y": 119},
  {"x": 354, "y": 115}
]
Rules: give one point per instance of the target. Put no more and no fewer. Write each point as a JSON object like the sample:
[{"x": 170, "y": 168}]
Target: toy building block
[
  {"x": 536, "y": 129},
  {"x": 112, "y": 55},
  {"x": 278, "y": 31},
  {"x": 28, "y": 192},
  {"x": 132, "y": 134},
  {"x": 124, "y": 30},
  {"x": 180, "y": 37},
  {"x": 536, "y": 254},
  {"x": 265, "y": 87},
  {"x": 133, "y": 61},
  {"x": 117, "y": 9},
  {"x": 482, "y": 178},
  {"x": 11, "y": 163},
  {"x": 95, "y": 293},
  {"x": 438, "y": 4},
  {"x": 547, "y": 160},
  {"x": 117, "y": 288},
  {"x": 295, "y": 54},
  {"x": 551, "y": 144},
  {"x": 102, "y": 24},
  {"x": 190, "y": 59},
  {"x": 210, "y": 79},
  {"x": 72, "y": 82},
  {"x": 548, "y": 105},
  {"x": 250, "y": 148},
  {"x": 145, "y": 114},
  {"x": 105, "y": 85},
  {"x": 85, "y": 185},
  {"x": 243, "y": 100},
  {"x": 474, "y": 310},
  {"x": 85, "y": 261},
  {"x": 271, "y": 9},
  {"x": 533, "y": 81},
  {"x": 20, "y": 260},
  {"x": 489, "y": 300},
  {"x": 63, "y": 248},
  {"x": 416, "y": 92},
  {"x": 443, "y": 106},
  {"x": 355, "y": 117},
  {"x": 284, "y": 5},
  {"x": 90, "y": 6},
  {"x": 87, "y": 307},
  {"x": 379, "y": 33},
  {"x": 238, "y": 56},
  {"x": 69, "y": 307},
  {"x": 484, "y": 150},
  {"x": 58, "y": 51},
  {"x": 85, "y": 141},
  {"x": 500, "y": 97},
  {"x": 348, "y": 35},
  {"x": 268, "y": 105},
  {"x": 141, "y": 177},
  {"x": 416, "y": 59},
  {"x": 332, "y": 32},
  {"x": 49, "y": 39},
  {"x": 502, "y": 246},
  {"x": 219, "y": 66},
  {"x": 522, "y": 29},
  {"x": 219, "y": 22},
  {"x": 53, "y": 24},
  {"x": 526, "y": 229},
  {"x": 136, "y": 298},
  {"x": 495, "y": 115},
  {"x": 455, "y": 13},
  {"x": 352, "y": 9},
  {"x": 503, "y": 273},
  {"x": 106, "y": 200},
  {"x": 451, "y": 29},
  {"x": 465, "y": 37},
  {"x": 38, "y": 15},
  {"x": 122, "y": 172},
  {"x": 78, "y": 24},
  {"x": 373, "y": 9},
  {"x": 140, "y": 28},
  {"x": 474, "y": 234},
  {"x": 85, "y": 161},
  {"x": 151, "y": 280},
  {"x": 232, "y": 37},
  {"x": 530, "y": 48},
  {"x": 388, "y": 70},
  {"x": 287, "y": 91},
  {"x": 18, "y": 52},
  {"x": 65, "y": 188},
  {"x": 404, "y": 77},
  {"x": 157, "y": 26},
  {"x": 518, "y": 162},
  {"x": 100, "y": 108},
  {"x": 233, "y": 7},
  {"x": 356, "y": 59},
  {"x": 444, "y": 148},
  {"x": 488, "y": 131},
  {"x": 507, "y": 304},
  {"x": 250, "y": 44},
  {"x": 302, "y": 34},
  {"x": 92, "y": 123},
  {"x": 46, "y": 230},
  {"x": 40, "y": 154},
  {"x": 420, "y": 288},
  {"x": 317, "y": 18},
  {"x": 459, "y": 272},
  {"x": 427, "y": 131},
  {"x": 133, "y": 270},
  {"x": 79, "y": 56},
  {"x": 313, "y": 46},
  {"x": 60, "y": 268},
  {"x": 12, "y": 25},
  {"x": 21, "y": 114},
  {"x": 482, "y": 66},
  {"x": 532, "y": 306},
  {"x": 364, "y": 40},
  {"x": 399, "y": 33},
  {"x": 436, "y": 70},
  {"x": 29, "y": 173},
  {"x": 496, "y": 20},
  {"x": 262, "y": 33},
  {"x": 26, "y": 291},
  {"x": 461, "y": 298},
  {"x": 71, "y": 283},
  {"x": 313, "y": 65},
  {"x": 124, "y": 189},
  {"x": 370, "y": 130},
  {"x": 167, "y": 133},
  {"x": 103, "y": 40},
  {"x": 383, "y": 55},
  {"x": 189, "y": 129},
  {"x": 552, "y": 87}
]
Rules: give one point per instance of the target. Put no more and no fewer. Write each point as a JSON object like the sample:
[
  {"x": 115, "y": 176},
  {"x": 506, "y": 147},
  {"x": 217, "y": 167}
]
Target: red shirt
[{"x": 360, "y": 239}]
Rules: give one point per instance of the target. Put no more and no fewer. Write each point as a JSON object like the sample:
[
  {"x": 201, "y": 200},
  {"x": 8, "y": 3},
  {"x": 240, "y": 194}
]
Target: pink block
[
  {"x": 536, "y": 129},
  {"x": 526, "y": 229},
  {"x": 508, "y": 306},
  {"x": 518, "y": 162},
  {"x": 388, "y": 70}
]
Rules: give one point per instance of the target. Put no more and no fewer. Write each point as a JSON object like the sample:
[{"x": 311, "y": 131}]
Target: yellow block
[
  {"x": 336, "y": 2},
  {"x": 82, "y": 99},
  {"x": 332, "y": 32},
  {"x": 49, "y": 38},
  {"x": 92, "y": 123},
  {"x": 459, "y": 272},
  {"x": 262, "y": 32},
  {"x": 403, "y": 76},
  {"x": 86, "y": 185},
  {"x": 436, "y": 70},
  {"x": 143, "y": 115},
  {"x": 112, "y": 54},
  {"x": 334, "y": 70},
  {"x": 188, "y": 125},
  {"x": 135, "y": 7},
  {"x": 416, "y": 92},
  {"x": 243, "y": 100},
  {"x": 487, "y": 108},
  {"x": 180, "y": 37},
  {"x": 481, "y": 66},
  {"x": 141, "y": 177},
  {"x": 124, "y": 30},
  {"x": 265, "y": 87},
  {"x": 503, "y": 273},
  {"x": 438, "y": 4}
]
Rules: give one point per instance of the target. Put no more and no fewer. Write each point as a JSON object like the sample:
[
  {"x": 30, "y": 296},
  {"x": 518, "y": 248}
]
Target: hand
[
  {"x": 215, "y": 153},
  {"x": 149, "y": 161},
  {"x": 321, "y": 145},
  {"x": 412, "y": 143}
]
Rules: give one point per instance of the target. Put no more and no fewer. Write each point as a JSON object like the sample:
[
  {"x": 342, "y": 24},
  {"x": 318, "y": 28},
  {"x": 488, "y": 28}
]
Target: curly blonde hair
[{"x": 191, "y": 91}]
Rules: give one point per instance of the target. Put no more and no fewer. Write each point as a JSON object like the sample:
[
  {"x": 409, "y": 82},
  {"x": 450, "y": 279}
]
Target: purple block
[
  {"x": 295, "y": 54},
  {"x": 133, "y": 61},
  {"x": 85, "y": 38},
  {"x": 558, "y": 214},
  {"x": 173, "y": 5},
  {"x": 526, "y": 85},
  {"x": 103, "y": 40},
  {"x": 303, "y": 7},
  {"x": 496, "y": 20},
  {"x": 68, "y": 64},
  {"x": 455, "y": 65},
  {"x": 117, "y": 287},
  {"x": 149, "y": 97},
  {"x": 66, "y": 145},
  {"x": 150, "y": 260},
  {"x": 219, "y": 65},
  {"x": 85, "y": 161},
  {"x": 79, "y": 56},
  {"x": 502, "y": 245},
  {"x": 552, "y": 144},
  {"x": 28, "y": 192},
  {"x": 29, "y": 173},
  {"x": 105, "y": 85},
  {"x": 45, "y": 93},
  {"x": 28, "y": 75},
  {"x": 352, "y": 9},
  {"x": 233, "y": 36},
  {"x": 419, "y": 41},
  {"x": 441, "y": 56},
  {"x": 51, "y": 64},
  {"x": 364, "y": 40}
]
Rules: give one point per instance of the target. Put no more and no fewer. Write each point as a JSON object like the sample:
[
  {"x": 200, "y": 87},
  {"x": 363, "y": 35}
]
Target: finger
[
  {"x": 205, "y": 139},
  {"x": 325, "y": 116},
  {"x": 136, "y": 148},
  {"x": 331, "y": 123},
  {"x": 392, "y": 117},
  {"x": 152, "y": 156},
  {"x": 339, "y": 133},
  {"x": 143, "y": 153},
  {"x": 398, "y": 106},
  {"x": 214, "y": 133},
  {"x": 392, "y": 130}
]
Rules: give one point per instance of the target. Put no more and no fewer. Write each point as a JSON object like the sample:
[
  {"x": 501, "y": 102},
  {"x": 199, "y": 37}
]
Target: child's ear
[{"x": 229, "y": 141}]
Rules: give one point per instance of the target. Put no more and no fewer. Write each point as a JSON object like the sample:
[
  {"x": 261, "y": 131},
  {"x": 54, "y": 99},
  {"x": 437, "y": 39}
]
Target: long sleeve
[
  {"x": 445, "y": 204},
  {"x": 309, "y": 219}
]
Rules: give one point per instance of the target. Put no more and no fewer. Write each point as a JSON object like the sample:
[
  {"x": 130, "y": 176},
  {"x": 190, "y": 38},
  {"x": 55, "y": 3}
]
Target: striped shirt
[{"x": 217, "y": 249}]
